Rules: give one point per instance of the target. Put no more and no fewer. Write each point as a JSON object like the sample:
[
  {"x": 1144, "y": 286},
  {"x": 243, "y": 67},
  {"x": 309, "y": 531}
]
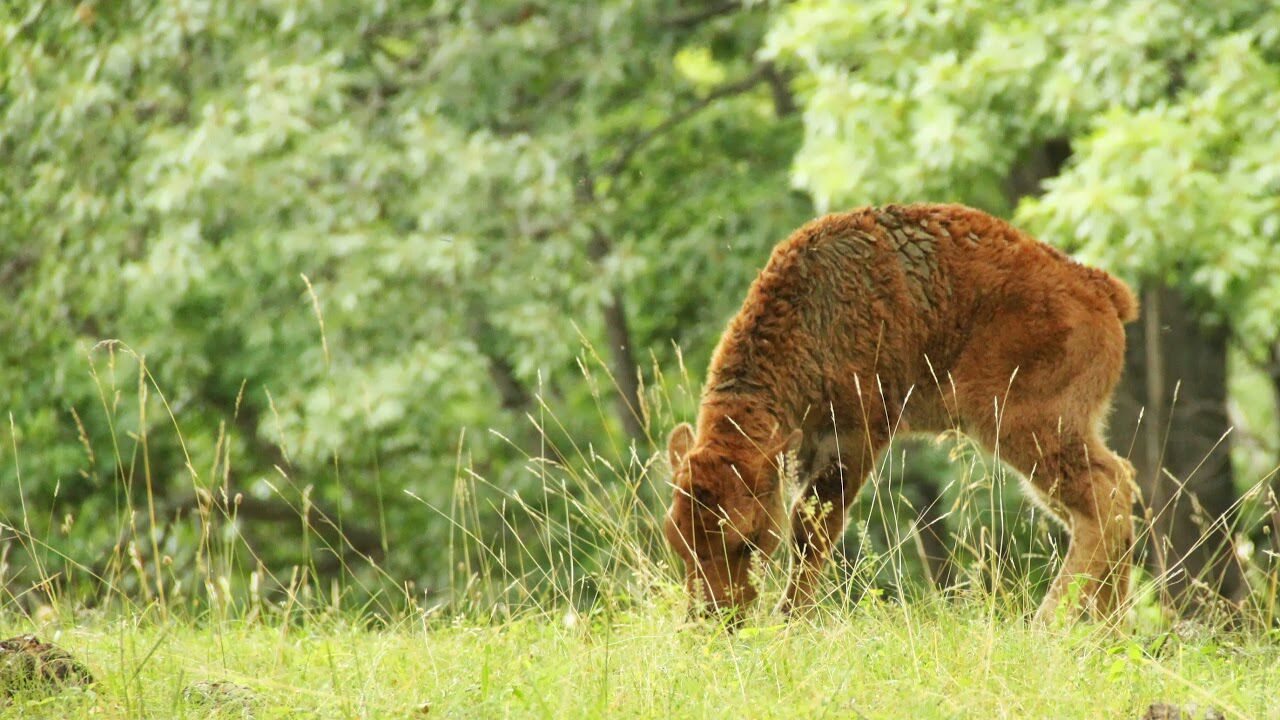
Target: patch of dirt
[{"x": 26, "y": 664}]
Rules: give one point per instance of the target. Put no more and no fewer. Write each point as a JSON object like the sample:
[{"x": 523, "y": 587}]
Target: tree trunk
[
  {"x": 1273, "y": 498},
  {"x": 622, "y": 359},
  {"x": 1034, "y": 165},
  {"x": 624, "y": 368},
  {"x": 1176, "y": 381}
]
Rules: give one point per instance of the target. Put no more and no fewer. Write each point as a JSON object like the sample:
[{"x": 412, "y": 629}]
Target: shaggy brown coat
[{"x": 885, "y": 320}]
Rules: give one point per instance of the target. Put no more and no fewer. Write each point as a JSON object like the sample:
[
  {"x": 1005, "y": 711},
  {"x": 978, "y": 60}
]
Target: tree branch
[
  {"x": 697, "y": 17},
  {"x": 638, "y": 143},
  {"x": 511, "y": 392},
  {"x": 365, "y": 541},
  {"x": 784, "y": 103}
]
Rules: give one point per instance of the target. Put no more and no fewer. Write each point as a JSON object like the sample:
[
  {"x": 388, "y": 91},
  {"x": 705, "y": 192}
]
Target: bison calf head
[{"x": 726, "y": 509}]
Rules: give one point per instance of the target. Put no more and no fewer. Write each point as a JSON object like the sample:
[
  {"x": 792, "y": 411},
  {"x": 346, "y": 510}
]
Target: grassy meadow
[
  {"x": 878, "y": 660},
  {"x": 586, "y": 617},
  {"x": 564, "y": 602}
]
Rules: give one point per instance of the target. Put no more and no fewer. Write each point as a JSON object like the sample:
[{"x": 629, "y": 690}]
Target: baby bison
[{"x": 894, "y": 319}]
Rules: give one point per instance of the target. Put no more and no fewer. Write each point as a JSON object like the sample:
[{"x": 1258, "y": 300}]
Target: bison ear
[{"x": 680, "y": 443}]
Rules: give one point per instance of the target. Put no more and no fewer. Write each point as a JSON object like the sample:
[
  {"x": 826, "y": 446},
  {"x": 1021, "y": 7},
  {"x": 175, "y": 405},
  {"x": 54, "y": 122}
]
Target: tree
[
  {"x": 343, "y": 236},
  {"x": 338, "y": 244}
]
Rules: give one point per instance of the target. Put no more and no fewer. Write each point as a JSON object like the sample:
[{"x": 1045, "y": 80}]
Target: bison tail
[{"x": 1122, "y": 297}]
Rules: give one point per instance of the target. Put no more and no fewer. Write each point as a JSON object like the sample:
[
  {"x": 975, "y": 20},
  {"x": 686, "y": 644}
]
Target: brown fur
[{"x": 904, "y": 318}]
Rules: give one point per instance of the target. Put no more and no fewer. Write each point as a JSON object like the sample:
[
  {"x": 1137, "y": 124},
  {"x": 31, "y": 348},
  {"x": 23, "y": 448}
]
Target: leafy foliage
[
  {"x": 333, "y": 246},
  {"x": 342, "y": 237}
]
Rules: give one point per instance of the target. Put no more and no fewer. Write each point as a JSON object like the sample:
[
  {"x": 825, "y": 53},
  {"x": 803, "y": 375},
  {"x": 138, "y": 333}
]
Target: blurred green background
[{"x": 374, "y": 254}]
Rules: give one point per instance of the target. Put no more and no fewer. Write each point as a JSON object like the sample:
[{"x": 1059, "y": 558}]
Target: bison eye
[{"x": 703, "y": 496}]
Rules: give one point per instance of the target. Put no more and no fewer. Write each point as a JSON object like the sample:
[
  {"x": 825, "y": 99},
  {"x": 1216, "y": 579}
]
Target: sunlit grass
[{"x": 875, "y": 660}]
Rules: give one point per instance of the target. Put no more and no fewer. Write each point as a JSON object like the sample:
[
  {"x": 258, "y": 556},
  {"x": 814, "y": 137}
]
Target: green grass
[
  {"x": 875, "y": 660},
  {"x": 500, "y": 639}
]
